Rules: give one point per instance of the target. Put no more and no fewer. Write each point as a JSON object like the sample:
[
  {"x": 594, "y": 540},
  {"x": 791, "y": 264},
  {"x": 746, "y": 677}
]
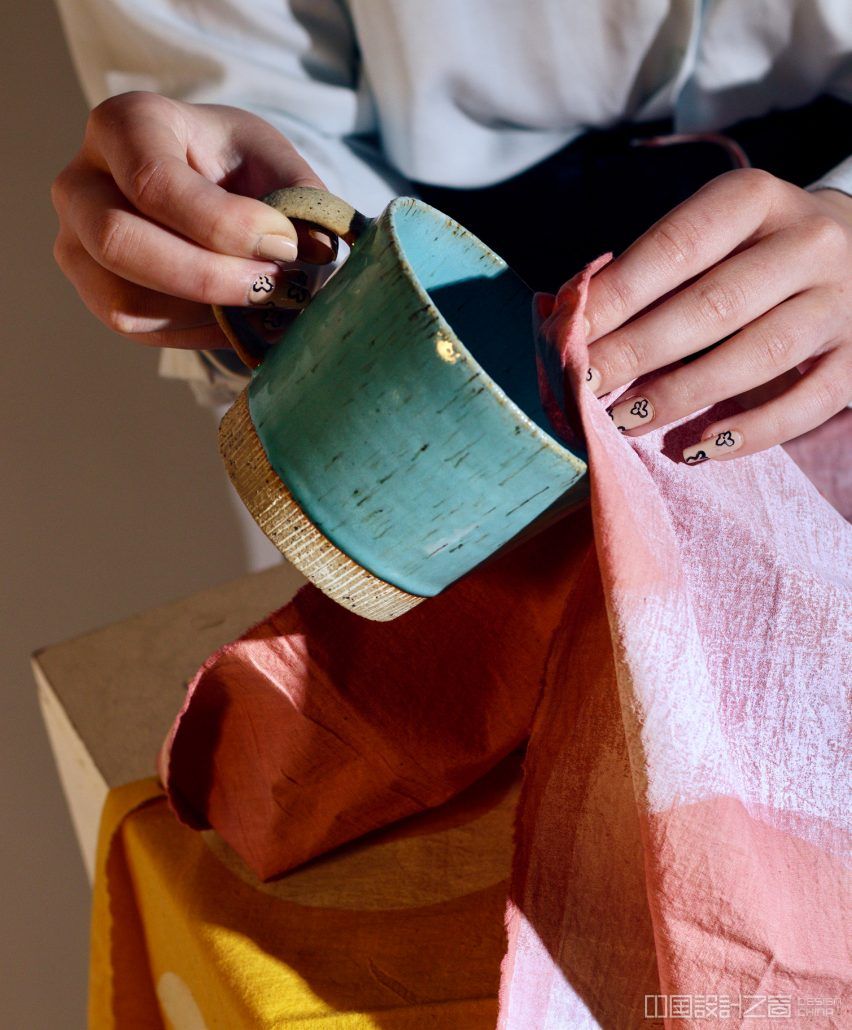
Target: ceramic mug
[{"x": 395, "y": 437}]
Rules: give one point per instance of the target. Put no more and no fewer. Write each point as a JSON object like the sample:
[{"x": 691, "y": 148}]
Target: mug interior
[{"x": 487, "y": 306}]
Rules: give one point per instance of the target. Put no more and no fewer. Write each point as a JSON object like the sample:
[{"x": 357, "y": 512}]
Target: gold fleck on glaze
[
  {"x": 446, "y": 349},
  {"x": 276, "y": 511}
]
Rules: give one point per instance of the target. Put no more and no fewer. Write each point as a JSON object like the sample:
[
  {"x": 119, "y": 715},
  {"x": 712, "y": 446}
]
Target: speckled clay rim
[
  {"x": 490, "y": 384},
  {"x": 280, "y": 517}
]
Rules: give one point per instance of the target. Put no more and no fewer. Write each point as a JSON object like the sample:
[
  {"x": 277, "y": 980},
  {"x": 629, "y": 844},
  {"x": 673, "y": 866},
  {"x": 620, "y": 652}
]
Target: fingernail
[
  {"x": 637, "y": 411},
  {"x": 285, "y": 290},
  {"x": 261, "y": 290},
  {"x": 718, "y": 446},
  {"x": 277, "y": 248},
  {"x": 588, "y": 326},
  {"x": 593, "y": 379}
]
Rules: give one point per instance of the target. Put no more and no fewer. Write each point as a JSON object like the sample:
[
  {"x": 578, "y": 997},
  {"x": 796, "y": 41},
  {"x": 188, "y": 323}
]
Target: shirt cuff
[
  {"x": 211, "y": 381},
  {"x": 839, "y": 178}
]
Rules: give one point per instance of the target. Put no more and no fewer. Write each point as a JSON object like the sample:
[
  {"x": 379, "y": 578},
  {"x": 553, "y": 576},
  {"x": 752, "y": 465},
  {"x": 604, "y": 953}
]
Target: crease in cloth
[{"x": 675, "y": 659}]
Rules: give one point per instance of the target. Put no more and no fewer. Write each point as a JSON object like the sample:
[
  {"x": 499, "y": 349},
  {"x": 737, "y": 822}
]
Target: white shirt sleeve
[
  {"x": 294, "y": 64},
  {"x": 839, "y": 178}
]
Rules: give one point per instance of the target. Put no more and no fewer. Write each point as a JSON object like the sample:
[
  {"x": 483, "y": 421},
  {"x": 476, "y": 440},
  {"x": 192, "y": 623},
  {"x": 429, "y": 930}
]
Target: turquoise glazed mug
[{"x": 394, "y": 438}]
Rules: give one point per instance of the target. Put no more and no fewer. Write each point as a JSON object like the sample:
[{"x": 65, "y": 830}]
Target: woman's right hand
[{"x": 156, "y": 220}]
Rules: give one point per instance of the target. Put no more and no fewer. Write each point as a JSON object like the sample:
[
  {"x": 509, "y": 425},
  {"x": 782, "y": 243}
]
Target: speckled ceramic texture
[{"x": 402, "y": 409}]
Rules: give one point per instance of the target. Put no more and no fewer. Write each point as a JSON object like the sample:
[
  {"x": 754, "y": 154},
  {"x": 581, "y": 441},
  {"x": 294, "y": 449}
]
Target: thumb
[
  {"x": 271, "y": 162},
  {"x": 181, "y": 165}
]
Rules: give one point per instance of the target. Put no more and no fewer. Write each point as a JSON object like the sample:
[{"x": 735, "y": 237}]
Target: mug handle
[{"x": 319, "y": 209}]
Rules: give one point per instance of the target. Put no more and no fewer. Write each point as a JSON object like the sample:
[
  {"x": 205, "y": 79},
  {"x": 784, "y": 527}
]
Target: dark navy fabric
[{"x": 602, "y": 191}]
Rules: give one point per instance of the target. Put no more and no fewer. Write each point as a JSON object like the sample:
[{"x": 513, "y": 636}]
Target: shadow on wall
[{"x": 113, "y": 500}]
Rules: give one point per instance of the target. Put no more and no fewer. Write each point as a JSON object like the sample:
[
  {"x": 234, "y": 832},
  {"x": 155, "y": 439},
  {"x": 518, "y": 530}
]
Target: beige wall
[{"x": 113, "y": 501}]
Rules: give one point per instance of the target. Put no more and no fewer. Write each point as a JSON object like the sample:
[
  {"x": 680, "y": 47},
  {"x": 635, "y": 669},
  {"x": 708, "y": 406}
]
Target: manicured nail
[
  {"x": 593, "y": 379},
  {"x": 285, "y": 290},
  {"x": 277, "y": 248},
  {"x": 637, "y": 411},
  {"x": 261, "y": 290},
  {"x": 718, "y": 446}
]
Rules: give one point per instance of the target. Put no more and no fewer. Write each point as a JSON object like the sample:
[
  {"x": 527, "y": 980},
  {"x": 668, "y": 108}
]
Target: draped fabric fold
[{"x": 676, "y": 658}]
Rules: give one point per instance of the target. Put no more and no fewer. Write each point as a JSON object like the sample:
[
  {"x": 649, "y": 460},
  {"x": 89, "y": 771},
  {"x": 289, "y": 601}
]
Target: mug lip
[{"x": 493, "y": 387}]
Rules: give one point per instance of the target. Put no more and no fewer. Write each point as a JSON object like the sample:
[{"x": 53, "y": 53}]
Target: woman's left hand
[{"x": 749, "y": 260}]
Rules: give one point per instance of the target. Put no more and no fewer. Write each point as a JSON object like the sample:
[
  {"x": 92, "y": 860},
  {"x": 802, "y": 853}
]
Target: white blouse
[
  {"x": 464, "y": 92},
  {"x": 459, "y": 92}
]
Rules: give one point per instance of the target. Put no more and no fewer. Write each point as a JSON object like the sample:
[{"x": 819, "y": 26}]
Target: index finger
[
  {"x": 150, "y": 166},
  {"x": 687, "y": 241}
]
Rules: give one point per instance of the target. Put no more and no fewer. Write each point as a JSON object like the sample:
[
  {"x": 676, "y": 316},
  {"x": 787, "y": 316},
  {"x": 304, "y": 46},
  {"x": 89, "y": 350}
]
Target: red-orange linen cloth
[{"x": 676, "y": 657}]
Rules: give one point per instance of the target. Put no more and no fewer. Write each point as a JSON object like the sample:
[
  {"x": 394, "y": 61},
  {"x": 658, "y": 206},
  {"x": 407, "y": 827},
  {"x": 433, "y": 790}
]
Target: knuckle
[
  {"x": 207, "y": 283},
  {"x": 96, "y": 303},
  {"x": 625, "y": 361},
  {"x": 686, "y": 390},
  {"x": 103, "y": 114},
  {"x": 120, "y": 321},
  {"x": 759, "y": 185},
  {"x": 224, "y": 222},
  {"x": 59, "y": 190},
  {"x": 678, "y": 239},
  {"x": 823, "y": 233},
  {"x": 107, "y": 114},
  {"x": 149, "y": 184},
  {"x": 60, "y": 251},
  {"x": 111, "y": 238},
  {"x": 614, "y": 300},
  {"x": 778, "y": 424},
  {"x": 717, "y": 301},
  {"x": 120, "y": 109},
  {"x": 830, "y": 394},
  {"x": 122, "y": 310},
  {"x": 772, "y": 348}
]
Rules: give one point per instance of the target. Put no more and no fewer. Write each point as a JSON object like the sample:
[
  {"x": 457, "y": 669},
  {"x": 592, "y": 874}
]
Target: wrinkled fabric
[
  {"x": 185, "y": 938},
  {"x": 677, "y": 658},
  {"x": 825, "y": 456}
]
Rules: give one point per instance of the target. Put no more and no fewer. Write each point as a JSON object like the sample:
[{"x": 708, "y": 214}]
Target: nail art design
[
  {"x": 286, "y": 290},
  {"x": 718, "y": 446},
  {"x": 593, "y": 378},
  {"x": 637, "y": 411},
  {"x": 260, "y": 289}
]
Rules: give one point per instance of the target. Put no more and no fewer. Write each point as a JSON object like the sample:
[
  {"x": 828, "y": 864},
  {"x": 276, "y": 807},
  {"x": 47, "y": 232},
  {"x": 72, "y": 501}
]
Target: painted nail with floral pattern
[
  {"x": 716, "y": 447},
  {"x": 636, "y": 411},
  {"x": 287, "y": 289},
  {"x": 593, "y": 379}
]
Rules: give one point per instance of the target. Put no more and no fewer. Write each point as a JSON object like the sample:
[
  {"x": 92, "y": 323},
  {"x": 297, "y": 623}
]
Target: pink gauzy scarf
[{"x": 676, "y": 658}]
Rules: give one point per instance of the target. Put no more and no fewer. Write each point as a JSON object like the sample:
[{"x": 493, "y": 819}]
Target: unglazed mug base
[{"x": 280, "y": 517}]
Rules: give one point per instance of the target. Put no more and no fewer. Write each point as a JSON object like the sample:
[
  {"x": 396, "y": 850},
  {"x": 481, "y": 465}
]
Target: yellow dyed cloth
[{"x": 402, "y": 929}]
